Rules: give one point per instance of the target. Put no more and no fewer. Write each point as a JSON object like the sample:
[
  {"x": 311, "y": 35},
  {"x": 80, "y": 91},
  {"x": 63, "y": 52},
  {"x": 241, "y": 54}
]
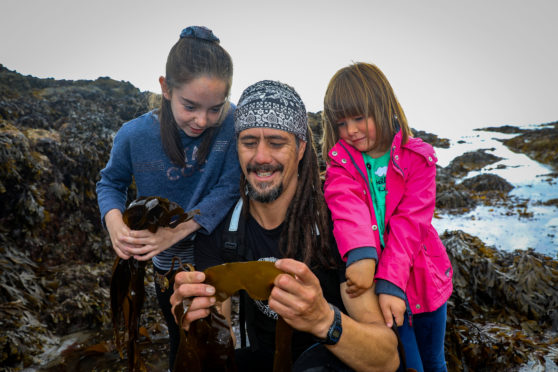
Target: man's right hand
[{"x": 188, "y": 285}]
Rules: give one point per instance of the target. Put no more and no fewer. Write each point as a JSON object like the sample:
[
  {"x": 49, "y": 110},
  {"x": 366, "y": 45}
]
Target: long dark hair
[
  {"x": 189, "y": 59},
  {"x": 306, "y": 232}
]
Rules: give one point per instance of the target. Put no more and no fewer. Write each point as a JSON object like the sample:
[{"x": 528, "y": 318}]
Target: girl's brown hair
[
  {"x": 361, "y": 89},
  {"x": 191, "y": 58}
]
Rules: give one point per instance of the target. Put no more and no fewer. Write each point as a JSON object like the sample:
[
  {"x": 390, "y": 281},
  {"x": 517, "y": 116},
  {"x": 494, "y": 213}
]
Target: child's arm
[
  {"x": 361, "y": 267},
  {"x": 360, "y": 276}
]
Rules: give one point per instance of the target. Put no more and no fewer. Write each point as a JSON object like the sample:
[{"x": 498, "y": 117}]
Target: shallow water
[{"x": 507, "y": 228}]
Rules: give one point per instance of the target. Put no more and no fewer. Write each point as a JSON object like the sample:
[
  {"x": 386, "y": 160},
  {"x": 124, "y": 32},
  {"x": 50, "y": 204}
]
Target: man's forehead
[{"x": 265, "y": 133}]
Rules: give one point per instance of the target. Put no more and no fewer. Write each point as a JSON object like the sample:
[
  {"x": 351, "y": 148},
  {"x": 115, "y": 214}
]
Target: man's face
[{"x": 269, "y": 159}]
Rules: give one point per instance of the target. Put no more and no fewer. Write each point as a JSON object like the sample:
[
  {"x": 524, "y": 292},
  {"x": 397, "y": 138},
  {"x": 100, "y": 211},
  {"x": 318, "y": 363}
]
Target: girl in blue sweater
[{"x": 185, "y": 151}]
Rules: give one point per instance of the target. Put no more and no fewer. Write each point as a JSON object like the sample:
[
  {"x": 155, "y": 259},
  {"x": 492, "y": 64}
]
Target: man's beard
[{"x": 266, "y": 193}]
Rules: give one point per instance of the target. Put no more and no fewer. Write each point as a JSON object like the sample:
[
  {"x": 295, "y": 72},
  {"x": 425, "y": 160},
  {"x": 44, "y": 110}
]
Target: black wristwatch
[{"x": 335, "y": 330}]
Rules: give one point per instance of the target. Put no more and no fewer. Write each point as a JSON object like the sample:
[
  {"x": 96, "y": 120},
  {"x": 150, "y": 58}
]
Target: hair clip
[{"x": 199, "y": 32}]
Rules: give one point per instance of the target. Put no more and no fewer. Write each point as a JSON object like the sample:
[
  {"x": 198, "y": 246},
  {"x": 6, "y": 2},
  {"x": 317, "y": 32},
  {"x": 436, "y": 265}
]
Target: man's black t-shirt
[{"x": 263, "y": 245}]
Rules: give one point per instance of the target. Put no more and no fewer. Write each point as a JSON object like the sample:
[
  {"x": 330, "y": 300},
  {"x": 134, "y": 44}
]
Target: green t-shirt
[{"x": 377, "y": 170}]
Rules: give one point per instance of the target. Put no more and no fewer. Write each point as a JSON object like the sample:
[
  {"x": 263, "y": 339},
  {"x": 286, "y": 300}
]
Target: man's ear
[
  {"x": 164, "y": 87},
  {"x": 301, "y": 149}
]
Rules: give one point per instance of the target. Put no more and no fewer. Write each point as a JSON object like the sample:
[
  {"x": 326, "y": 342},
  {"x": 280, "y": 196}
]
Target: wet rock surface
[
  {"x": 55, "y": 257},
  {"x": 471, "y": 161},
  {"x": 487, "y": 182},
  {"x": 432, "y": 139}
]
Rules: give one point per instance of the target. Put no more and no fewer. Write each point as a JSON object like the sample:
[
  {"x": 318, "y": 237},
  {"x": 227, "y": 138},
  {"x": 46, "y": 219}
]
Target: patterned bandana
[{"x": 271, "y": 104}]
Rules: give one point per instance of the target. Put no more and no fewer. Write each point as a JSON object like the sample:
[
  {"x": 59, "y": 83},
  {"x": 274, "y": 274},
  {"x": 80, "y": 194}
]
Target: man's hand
[
  {"x": 188, "y": 285},
  {"x": 298, "y": 298},
  {"x": 392, "y": 306},
  {"x": 360, "y": 276}
]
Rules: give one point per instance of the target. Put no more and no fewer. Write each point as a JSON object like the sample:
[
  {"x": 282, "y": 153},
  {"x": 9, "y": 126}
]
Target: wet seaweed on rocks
[
  {"x": 53, "y": 249},
  {"x": 536, "y": 144},
  {"x": 471, "y": 161},
  {"x": 503, "y": 309},
  {"x": 55, "y": 260}
]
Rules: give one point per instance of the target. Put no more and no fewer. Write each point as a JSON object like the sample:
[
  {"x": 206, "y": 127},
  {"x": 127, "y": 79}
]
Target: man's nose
[{"x": 263, "y": 153}]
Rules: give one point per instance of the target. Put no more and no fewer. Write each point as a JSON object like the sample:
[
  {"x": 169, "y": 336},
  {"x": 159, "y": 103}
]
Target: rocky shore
[{"x": 55, "y": 258}]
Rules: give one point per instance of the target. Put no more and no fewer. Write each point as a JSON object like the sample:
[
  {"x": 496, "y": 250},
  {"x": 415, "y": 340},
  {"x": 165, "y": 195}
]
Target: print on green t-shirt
[{"x": 377, "y": 171}]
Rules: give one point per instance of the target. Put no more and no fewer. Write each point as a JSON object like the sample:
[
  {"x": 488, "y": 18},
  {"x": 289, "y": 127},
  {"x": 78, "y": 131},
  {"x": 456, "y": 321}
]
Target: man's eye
[
  {"x": 249, "y": 144},
  {"x": 276, "y": 144}
]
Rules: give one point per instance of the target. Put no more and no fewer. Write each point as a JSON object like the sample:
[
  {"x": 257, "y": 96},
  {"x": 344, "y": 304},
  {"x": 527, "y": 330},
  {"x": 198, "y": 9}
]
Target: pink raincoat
[{"x": 414, "y": 258}]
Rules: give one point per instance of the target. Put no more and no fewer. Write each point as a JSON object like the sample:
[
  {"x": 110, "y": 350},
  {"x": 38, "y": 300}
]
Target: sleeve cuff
[
  {"x": 386, "y": 287},
  {"x": 361, "y": 253}
]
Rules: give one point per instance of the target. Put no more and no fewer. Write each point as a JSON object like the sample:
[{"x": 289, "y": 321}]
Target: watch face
[
  {"x": 335, "y": 330},
  {"x": 336, "y": 333}
]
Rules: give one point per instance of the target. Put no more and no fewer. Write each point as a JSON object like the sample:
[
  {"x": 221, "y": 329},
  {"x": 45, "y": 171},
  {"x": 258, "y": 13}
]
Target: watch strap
[{"x": 335, "y": 330}]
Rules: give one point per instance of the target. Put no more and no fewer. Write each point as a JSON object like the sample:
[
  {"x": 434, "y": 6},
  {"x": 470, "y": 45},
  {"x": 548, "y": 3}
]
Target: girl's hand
[
  {"x": 360, "y": 276},
  {"x": 392, "y": 306},
  {"x": 118, "y": 232},
  {"x": 148, "y": 244}
]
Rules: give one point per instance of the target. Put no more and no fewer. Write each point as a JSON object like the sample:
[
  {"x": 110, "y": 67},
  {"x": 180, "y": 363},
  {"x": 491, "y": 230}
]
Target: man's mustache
[{"x": 264, "y": 168}]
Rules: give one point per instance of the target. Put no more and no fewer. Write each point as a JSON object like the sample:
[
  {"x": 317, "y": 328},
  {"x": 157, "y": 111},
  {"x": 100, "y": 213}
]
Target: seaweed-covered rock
[
  {"x": 432, "y": 139},
  {"x": 503, "y": 311},
  {"x": 452, "y": 197},
  {"x": 315, "y": 123},
  {"x": 539, "y": 144},
  {"x": 55, "y": 136},
  {"x": 487, "y": 182},
  {"x": 55, "y": 258},
  {"x": 471, "y": 161},
  {"x": 455, "y": 200},
  {"x": 508, "y": 129}
]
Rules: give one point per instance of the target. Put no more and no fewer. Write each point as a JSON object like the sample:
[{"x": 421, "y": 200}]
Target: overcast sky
[{"x": 453, "y": 65}]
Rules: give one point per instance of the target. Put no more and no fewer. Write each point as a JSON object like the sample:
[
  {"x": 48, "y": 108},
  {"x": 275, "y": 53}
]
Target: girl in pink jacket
[{"x": 381, "y": 189}]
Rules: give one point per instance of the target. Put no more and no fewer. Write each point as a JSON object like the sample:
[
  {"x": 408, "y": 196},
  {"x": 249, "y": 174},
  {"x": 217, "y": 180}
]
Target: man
[{"x": 285, "y": 219}]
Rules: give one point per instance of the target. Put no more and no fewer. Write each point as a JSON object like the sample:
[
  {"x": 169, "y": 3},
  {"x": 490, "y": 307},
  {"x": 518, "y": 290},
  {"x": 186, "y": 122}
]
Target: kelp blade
[{"x": 256, "y": 277}]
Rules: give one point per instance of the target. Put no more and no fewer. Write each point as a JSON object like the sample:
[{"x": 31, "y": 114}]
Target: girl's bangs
[{"x": 344, "y": 102}]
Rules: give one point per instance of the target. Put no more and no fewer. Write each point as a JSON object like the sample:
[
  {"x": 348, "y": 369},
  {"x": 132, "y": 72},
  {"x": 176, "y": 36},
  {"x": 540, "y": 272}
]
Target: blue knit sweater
[{"x": 138, "y": 152}]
